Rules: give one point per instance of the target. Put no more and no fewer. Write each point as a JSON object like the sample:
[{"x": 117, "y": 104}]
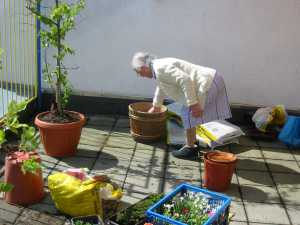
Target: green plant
[
  {"x": 30, "y": 165},
  {"x": 58, "y": 23},
  {"x": 81, "y": 223},
  {"x": 29, "y": 137},
  {"x": 136, "y": 213},
  {"x": 5, "y": 187}
]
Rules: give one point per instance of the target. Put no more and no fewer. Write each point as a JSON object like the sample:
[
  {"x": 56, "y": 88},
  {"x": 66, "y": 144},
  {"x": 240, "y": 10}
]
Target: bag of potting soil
[{"x": 73, "y": 196}]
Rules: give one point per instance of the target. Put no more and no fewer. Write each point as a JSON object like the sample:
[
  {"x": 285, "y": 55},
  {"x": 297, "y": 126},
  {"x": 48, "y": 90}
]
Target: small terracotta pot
[
  {"x": 28, "y": 188},
  {"x": 218, "y": 170},
  {"x": 60, "y": 139}
]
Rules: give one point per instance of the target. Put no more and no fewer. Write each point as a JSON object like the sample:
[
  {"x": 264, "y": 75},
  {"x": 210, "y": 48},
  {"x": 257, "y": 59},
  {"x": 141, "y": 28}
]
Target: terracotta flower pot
[
  {"x": 60, "y": 139},
  {"x": 218, "y": 170},
  {"x": 28, "y": 188}
]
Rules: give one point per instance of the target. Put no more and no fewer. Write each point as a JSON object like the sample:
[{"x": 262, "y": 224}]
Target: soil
[{"x": 54, "y": 117}]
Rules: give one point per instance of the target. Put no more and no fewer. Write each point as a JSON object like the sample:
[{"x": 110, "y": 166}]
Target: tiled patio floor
[{"x": 265, "y": 187}]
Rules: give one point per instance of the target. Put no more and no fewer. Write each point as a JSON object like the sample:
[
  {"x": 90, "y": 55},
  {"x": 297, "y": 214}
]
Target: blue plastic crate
[{"x": 220, "y": 217}]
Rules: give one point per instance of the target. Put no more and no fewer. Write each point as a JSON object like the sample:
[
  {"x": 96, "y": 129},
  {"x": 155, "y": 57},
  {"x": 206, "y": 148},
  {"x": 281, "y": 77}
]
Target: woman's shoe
[{"x": 185, "y": 152}]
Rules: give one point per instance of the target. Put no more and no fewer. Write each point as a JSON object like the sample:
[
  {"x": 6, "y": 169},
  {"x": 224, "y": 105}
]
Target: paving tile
[
  {"x": 238, "y": 223},
  {"x": 170, "y": 184},
  {"x": 246, "y": 151},
  {"x": 277, "y": 153},
  {"x": 34, "y": 217},
  {"x": 266, "y": 213},
  {"x": 75, "y": 162},
  {"x": 147, "y": 169},
  {"x": 183, "y": 172},
  {"x": 111, "y": 166},
  {"x": 93, "y": 137},
  {"x": 247, "y": 141},
  {"x": 283, "y": 166},
  {"x": 8, "y": 212},
  {"x": 260, "y": 194},
  {"x": 5, "y": 222},
  {"x": 251, "y": 164},
  {"x": 130, "y": 197},
  {"x": 272, "y": 144},
  {"x": 254, "y": 178},
  {"x": 294, "y": 214},
  {"x": 296, "y": 154},
  {"x": 115, "y": 153},
  {"x": 123, "y": 122},
  {"x": 101, "y": 120},
  {"x": 287, "y": 180},
  {"x": 290, "y": 195},
  {"x": 237, "y": 210},
  {"x": 142, "y": 184},
  {"x": 120, "y": 142},
  {"x": 151, "y": 154},
  {"x": 45, "y": 208},
  {"x": 84, "y": 150},
  {"x": 233, "y": 192},
  {"x": 181, "y": 162}
]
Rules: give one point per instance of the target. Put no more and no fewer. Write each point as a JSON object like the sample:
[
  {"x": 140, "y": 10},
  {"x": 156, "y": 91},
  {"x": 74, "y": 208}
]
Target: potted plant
[
  {"x": 22, "y": 163},
  {"x": 87, "y": 220},
  {"x": 60, "y": 129},
  {"x": 191, "y": 205},
  {"x": 135, "y": 214}
]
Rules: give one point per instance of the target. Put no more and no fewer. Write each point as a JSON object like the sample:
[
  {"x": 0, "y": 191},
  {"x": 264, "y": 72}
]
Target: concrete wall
[{"x": 254, "y": 44}]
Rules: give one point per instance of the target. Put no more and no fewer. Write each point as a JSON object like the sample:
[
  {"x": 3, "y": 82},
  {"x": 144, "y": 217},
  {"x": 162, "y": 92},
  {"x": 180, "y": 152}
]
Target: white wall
[{"x": 254, "y": 44}]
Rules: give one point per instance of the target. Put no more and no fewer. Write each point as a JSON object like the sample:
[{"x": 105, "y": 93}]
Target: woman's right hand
[{"x": 154, "y": 109}]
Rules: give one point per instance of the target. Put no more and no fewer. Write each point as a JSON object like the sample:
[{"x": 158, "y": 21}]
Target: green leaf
[
  {"x": 31, "y": 166},
  {"x": 29, "y": 139},
  {"x": 2, "y": 137},
  {"x": 5, "y": 187}
]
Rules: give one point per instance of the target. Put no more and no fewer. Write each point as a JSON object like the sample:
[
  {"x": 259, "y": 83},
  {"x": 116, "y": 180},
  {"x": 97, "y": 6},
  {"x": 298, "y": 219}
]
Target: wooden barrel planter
[{"x": 146, "y": 126}]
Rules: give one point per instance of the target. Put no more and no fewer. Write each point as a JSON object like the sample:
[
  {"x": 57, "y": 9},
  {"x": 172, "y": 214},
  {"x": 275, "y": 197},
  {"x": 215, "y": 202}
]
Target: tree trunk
[{"x": 58, "y": 67}]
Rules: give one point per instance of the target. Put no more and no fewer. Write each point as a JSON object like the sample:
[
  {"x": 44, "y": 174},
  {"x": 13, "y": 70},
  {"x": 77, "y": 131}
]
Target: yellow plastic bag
[
  {"x": 75, "y": 197},
  {"x": 269, "y": 116}
]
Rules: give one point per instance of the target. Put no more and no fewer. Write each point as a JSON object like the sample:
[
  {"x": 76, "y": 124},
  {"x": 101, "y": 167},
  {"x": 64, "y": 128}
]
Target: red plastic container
[
  {"x": 28, "y": 188},
  {"x": 218, "y": 170}
]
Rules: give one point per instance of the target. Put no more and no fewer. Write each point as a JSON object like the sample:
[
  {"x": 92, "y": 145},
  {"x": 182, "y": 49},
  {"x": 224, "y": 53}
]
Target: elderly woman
[{"x": 199, "y": 89}]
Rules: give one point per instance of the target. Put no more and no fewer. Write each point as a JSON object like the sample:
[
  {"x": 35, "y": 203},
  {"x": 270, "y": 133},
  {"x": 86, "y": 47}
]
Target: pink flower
[
  {"x": 185, "y": 210},
  {"x": 148, "y": 224},
  {"x": 211, "y": 213}
]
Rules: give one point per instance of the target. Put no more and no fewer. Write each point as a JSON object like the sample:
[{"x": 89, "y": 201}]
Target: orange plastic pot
[
  {"x": 29, "y": 187},
  {"x": 218, "y": 170},
  {"x": 60, "y": 139}
]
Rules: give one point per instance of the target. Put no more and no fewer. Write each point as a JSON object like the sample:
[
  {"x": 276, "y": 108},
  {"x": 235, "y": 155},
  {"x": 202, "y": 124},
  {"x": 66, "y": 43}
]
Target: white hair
[{"x": 141, "y": 59}]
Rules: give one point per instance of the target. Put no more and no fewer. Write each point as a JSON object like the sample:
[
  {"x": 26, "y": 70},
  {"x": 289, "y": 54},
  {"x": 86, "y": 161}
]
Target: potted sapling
[{"x": 60, "y": 129}]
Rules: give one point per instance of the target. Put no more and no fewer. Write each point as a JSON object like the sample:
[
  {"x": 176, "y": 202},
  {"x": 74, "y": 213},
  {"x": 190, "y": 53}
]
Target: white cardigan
[{"x": 182, "y": 81}]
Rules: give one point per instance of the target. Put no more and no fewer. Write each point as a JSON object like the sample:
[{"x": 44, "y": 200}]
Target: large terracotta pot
[
  {"x": 60, "y": 139},
  {"x": 218, "y": 170},
  {"x": 29, "y": 187}
]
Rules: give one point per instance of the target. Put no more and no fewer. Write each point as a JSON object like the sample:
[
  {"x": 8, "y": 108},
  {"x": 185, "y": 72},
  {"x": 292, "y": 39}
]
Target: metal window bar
[{"x": 19, "y": 77}]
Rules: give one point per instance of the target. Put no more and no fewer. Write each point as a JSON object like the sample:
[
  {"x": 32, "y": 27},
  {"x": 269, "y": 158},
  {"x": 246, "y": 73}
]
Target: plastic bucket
[{"x": 218, "y": 170}]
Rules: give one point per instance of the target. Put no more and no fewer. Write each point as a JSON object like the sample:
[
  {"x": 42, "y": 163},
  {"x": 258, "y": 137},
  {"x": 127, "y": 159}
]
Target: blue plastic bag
[{"x": 290, "y": 133}]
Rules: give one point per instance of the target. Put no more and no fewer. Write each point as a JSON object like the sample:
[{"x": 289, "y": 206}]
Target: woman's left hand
[{"x": 196, "y": 110}]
